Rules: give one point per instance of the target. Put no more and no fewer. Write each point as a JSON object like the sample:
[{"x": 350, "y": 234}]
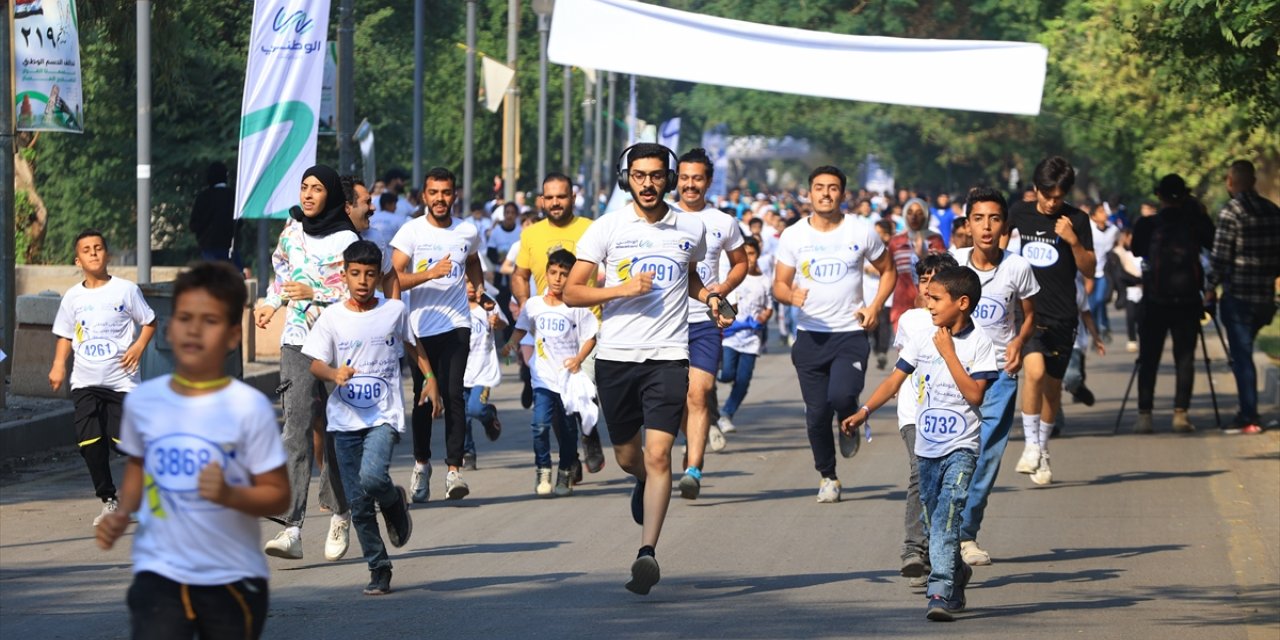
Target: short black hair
[
  {"x": 986, "y": 194},
  {"x": 1243, "y": 173},
  {"x": 756, "y": 220},
  {"x": 959, "y": 222},
  {"x": 697, "y": 155},
  {"x": 387, "y": 198},
  {"x": 221, "y": 281},
  {"x": 556, "y": 176},
  {"x": 649, "y": 150},
  {"x": 750, "y": 241},
  {"x": 438, "y": 174},
  {"x": 959, "y": 281},
  {"x": 395, "y": 173},
  {"x": 89, "y": 233},
  {"x": 363, "y": 252},
  {"x": 887, "y": 225},
  {"x": 828, "y": 170},
  {"x": 1172, "y": 187},
  {"x": 1052, "y": 173},
  {"x": 349, "y": 183},
  {"x": 935, "y": 263},
  {"x": 561, "y": 258}
]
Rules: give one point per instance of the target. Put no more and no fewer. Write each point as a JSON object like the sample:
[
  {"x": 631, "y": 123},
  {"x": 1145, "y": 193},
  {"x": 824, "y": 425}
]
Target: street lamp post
[
  {"x": 543, "y": 8},
  {"x": 566, "y": 152}
]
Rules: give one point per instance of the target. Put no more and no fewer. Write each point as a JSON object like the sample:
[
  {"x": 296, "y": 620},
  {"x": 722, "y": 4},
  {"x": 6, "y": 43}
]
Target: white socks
[
  {"x": 1031, "y": 428},
  {"x": 1046, "y": 429}
]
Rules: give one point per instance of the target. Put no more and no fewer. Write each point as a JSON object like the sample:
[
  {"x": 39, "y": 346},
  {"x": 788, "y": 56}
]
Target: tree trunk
[{"x": 34, "y": 218}]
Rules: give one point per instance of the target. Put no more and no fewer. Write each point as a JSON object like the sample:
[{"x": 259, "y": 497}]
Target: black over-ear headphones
[{"x": 624, "y": 180}]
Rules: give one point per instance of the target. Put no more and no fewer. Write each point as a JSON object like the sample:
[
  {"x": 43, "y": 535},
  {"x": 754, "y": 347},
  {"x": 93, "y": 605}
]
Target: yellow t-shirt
[{"x": 540, "y": 240}]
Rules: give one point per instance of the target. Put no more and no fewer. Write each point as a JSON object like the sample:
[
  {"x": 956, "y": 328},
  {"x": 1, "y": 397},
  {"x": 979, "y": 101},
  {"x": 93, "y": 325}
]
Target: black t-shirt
[{"x": 1051, "y": 259}]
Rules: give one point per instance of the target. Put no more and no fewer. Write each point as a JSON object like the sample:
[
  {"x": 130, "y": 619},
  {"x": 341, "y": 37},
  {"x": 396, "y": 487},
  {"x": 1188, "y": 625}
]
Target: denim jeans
[
  {"x": 476, "y": 397},
  {"x": 944, "y": 488},
  {"x": 737, "y": 368},
  {"x": 364, "y": 457},
  {"x": 1242, "y": 322},
  {"x": 917, "y": 539},
  {"x": 1073, "y": 379},
  {"x": 1098, "y": 306},
  {"x": 549, "y": 415},
  {"x": 997, "y": 418}
]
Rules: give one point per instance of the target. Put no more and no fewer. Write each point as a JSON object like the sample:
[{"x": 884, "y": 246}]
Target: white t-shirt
[
  {"x": 751, "y": 298},
  {"x": 558, "y": 332},
  {"x": 182, "y": 536},
  {"x": 945, "y": 421},
  {"x": 371, "y": 342},
  {"x": 482, "y": 225},
  {"x": 438, "y": 306},
  {"x": 1083, "y": 339},
  {"x": 911, "y": 324},
  {"x": 1103, "y": 242},
  {"x": 653, "y": 326},
  {"x": 482, "y": 361},
  {"x": 100, "y": 323},
  {"x": 1003, "y": 290},
  {"x": 503, "y": 240},
  {"x": 829, "y": 265},
  {"x": 723, "y": 235},
  {"x": 382, "y": 228}
]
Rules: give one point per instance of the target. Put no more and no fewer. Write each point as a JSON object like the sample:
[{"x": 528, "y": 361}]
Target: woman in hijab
[
  {"x": 308, "y": 268},
  {"x": 907, "y": 248}
]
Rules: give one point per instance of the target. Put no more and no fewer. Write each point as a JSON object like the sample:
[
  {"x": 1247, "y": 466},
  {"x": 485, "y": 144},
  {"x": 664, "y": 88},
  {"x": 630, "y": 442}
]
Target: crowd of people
[{"x": 624, "y": 324}]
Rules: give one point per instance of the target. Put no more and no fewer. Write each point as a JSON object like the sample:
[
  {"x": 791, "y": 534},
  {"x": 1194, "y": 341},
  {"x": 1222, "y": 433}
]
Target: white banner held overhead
[
  {"x": 906, "y": 71},
  {"x": 46, "y": 48},
  {"x": 281, "y": 106},
  {"x": 497, "y": 77}
]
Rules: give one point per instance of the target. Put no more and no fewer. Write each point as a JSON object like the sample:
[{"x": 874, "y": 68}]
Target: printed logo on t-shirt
[
  {"x": 173, "y": 463},
  {"x": 989, "y": 312},
  {"x": 363, "y": 392},
  {"x": 665, "y": 270},
  {"x": 824, "y": 270},
  {"x": 939, "y": 425},
  {"x": 1040, "y": 252}
]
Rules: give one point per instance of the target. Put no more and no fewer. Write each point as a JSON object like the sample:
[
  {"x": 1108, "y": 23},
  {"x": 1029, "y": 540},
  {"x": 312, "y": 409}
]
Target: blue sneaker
[
  {"x": 691, "y": 483},
  {"x": 940, "y": 610}
]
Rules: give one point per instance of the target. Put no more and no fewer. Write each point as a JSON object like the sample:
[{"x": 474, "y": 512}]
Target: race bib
[
  {"x": 704, "y": 272},
  {"x": 363, "y": 392},
  {"x": 174, "y": 462},
  {"x": 666, "y": 271},
  {"x": 1040, "y": 254},
  {"x": 939, "y": 425},
  {"x": 455, "y": 272},
  {"x": 97, "y": 350},
  {"x": 989, "y": 312},
  {"x": 554, "y": 325},
  {"x": 824, "y": 270}
]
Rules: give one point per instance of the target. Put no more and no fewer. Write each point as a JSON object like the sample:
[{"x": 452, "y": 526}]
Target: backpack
[{"x": 1174, "y": 273}]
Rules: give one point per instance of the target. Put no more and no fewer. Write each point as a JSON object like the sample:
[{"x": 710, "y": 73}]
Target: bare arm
[
  {"x": 267, "y": 496},
  {"x": 133, "y": 355},
  {"x": 475, "y": 272},
  {"x": 520, "y": 285},
  {"x": 784, "y": 291},
  {"x": 578, "y": 294},
  {"x": 870, "y": 314},
  {"x": 58, "y": 372},
  {"x": 336, "y": 375},
  {"x": 737, "y": 271},
  {"x": 883, "y": 394},
  {"x": 130, "y": 496},
  {"x": 409, "y": 279},
  {"x": 971, "y": 389},
  {"x": 1013, "y": 351}
]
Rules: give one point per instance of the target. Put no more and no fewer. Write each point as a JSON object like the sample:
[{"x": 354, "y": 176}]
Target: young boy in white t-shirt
[
  {"x": 96, "y": 320},
  {"x": 482, "y": 372},
  {"x": 742, "y": 339},
  {"x": 563, "y": 338},
  {"x": 955, "y": 363},
  {"x": 356, "y": 346},
  {"x": 205, "y": 464}
]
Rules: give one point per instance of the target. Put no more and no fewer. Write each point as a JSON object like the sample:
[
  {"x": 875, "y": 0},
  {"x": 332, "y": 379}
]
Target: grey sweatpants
[{"x": 303, "y": 401}]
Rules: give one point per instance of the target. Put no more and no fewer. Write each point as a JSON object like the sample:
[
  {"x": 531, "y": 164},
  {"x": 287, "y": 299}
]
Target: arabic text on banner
[{"x": 47, "y": 66}]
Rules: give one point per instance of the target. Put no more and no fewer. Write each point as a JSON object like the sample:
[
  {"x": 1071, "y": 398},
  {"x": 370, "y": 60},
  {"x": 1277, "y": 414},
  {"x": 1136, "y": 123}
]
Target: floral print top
[{"x": 316, "y": 262}]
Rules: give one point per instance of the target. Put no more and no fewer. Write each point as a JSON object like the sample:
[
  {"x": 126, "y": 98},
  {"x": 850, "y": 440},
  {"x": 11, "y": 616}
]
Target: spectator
[{"x": 213, "y": 217}]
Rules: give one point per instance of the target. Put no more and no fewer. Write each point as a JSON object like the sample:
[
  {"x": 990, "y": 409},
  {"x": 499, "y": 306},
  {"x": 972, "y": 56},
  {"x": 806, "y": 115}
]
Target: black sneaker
[
  {"x": 912, "y": 566},
  {"x": 957, "y": 592},
  {"x": 577, "y": 471},
  {"x": 379, "y": 582},
  {"x": 644, "y": 574},
  {"x": 637, "y": 504},
  {"x": 526, "y": 396},
  {"x": 594, "y": 453},
  {"x": 489, "y": 420},
  {"x": 469, "y": 461},
  {"x": 1083, "y": 394},
  {"x": 940, "y": 610},
  {"x": 399, "y": 522}
]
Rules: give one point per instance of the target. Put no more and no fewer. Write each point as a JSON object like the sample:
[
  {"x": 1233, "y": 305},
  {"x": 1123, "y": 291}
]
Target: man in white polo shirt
[
  {"x": 649, "y": 253},
  {"x": 819, "y": 272}
]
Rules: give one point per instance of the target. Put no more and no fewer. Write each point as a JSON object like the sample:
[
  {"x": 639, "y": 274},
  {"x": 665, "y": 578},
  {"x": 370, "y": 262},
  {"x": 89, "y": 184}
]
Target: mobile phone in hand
[{"x": 726, "y": 311}]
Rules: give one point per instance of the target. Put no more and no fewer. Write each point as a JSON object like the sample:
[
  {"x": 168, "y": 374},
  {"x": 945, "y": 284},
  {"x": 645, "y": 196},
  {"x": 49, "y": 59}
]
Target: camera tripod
[{"x": 1204, "y": 349}]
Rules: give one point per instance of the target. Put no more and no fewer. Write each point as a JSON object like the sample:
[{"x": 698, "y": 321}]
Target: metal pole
[
  {"x": 511, "y": 110},
  {"x": 608, "y": 137},
  {"x": 144, "y": 141},
  {"x": 544, "y": 26},
  {"x": 469, "y": 107},
  {"x": 266, "y": 273},
  {"x": 598, "y": 121},
  {"x": 346, "y": 88},
  {"x": 8, "y": 245},
  {"x": 587, "y": 130},
  {"x": 419, "y": 16},
  {"x": 566, "y": 151}
]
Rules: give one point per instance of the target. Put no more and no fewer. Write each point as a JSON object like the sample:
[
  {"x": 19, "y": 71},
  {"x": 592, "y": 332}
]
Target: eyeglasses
[{"x": 656, "y": 176}]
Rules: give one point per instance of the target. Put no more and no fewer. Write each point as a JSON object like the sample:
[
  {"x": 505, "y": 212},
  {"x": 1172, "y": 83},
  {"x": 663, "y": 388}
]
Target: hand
[
  {"x": 298, "y": 291},
  {"x": 1099, "y": 347},
  {"x": 942, "y": 340},
  {"x": 493, "y": 321},
  {"x": 849, "y": 426},
  {"x": 132, "y": 355},
  {"x": 1013, "y": 357},
  {"x": 506, "y": 349},
  {"x": 573, "y": 365},
  {"x": 431, "y": 393},
  {"x": 262, "y": 316},
  {"x": 57, "y": 375},
  {"x": 1065, "y": 231},
  {"x": 111, "y": 528},
  {"x": 721, "y": 321},
  {"x": 212, "y": 485},
  {"x": 798, "y": 296},
  {"x": 440, "y": 269},
  {"x": 343, "y": 374},
  {"x": 639, "y": 284},
  {"x": 868, "y": 318}
]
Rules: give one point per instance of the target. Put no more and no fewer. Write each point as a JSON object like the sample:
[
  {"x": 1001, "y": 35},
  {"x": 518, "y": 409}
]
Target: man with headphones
[
  {"x": 724, "y": 235},
  {"x": 649, "y": 253}
]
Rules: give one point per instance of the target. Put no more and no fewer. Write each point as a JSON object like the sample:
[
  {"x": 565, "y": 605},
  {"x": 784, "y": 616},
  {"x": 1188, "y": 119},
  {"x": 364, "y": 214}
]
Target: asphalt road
[{"x": 1159, "y": 536}]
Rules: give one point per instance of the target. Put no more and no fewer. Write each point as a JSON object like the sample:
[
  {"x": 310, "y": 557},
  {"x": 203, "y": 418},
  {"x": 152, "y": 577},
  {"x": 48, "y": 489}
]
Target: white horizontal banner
[{"x": 970, "y": 75}]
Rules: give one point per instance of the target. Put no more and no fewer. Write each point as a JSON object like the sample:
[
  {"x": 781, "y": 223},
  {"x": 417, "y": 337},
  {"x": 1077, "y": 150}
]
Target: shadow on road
[{"x": 1068, "y": 554}]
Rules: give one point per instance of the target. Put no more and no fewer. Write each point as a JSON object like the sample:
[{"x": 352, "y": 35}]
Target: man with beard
[
  {"x": 723, "y": 236},
  {"x": 434, "y": 255},
  {"x": 561, "y": 229}
]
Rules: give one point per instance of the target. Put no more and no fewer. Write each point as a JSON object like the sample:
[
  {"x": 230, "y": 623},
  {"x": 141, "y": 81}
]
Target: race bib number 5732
[{"x": 939, "y": 425}]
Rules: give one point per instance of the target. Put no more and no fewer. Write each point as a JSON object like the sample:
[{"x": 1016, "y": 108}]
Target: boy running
[
  {"x": 742, "y": 340},
  {"x": 482, "y": 372}
]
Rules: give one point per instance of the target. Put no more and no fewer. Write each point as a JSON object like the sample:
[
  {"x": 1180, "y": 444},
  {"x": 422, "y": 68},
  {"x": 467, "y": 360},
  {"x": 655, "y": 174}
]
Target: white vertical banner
[
  {"x": 281, "y": 106},
  {"x": 669, "y": 135},
  {"x": 328, "y": 103},
  {"x": 46, "y": 49}
]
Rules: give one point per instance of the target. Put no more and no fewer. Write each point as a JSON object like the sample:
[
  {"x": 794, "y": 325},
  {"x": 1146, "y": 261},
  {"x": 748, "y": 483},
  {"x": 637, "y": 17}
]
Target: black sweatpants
[
  {"x": 447, "y": 353},
  {"x": 97, "y": 419},
  {"x": 832, "y": 369},
  {"x": 162, "y": 609},
  {"x": 1159, "y": 320}
]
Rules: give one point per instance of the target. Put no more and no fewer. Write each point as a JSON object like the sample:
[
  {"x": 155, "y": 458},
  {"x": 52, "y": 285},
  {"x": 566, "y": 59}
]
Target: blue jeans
[
  {"x": 1242, "y": 322},
  {"x": 944, "y": 488},
  {"x": 736, "y": 368},
  {"x": 476, "y": 397},
  {"x": 997, "y": 418},
  {"x": 549, "y": 415},
  {"x": 364, "y": 460},
  {"x": 1098, "y": 306}
]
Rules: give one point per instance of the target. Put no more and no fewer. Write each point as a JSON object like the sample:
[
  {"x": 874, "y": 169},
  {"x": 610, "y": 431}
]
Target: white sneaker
[
  {"x": 420, "y": 484},
  {"x": 109, "y": 507},
  {"x": 284, "y": 546},
  {"x": 1030, "y": 459},
  {"x": 726, "y": 425},
  {"x": 973, "y": 555},
  {"x": 1043, "y": 474},
  {"x": 715, "y": 437},
  {"x": 829, "y": 491},
  {"x": 455, "y": 488},
  {"x": 542, "y": 484},
  {"x": 1131, "y": 346},
  {"x": 339, "y": 538}
]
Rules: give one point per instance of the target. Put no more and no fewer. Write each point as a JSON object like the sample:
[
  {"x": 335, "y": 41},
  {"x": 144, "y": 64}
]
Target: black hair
[
  {"x": 959, "y": 222},
  {"x": 216, "y": 173},
  {"x": 349, "y": 183},
  {"x": 756, "y": 220},
  {"x": 828, "y": 170},
  {"x": 986, "y": 194},
  {"x": 220, "y": 281},
  {"x": 959, "y": 281},
  {"x": 89, "y": 233},
  {"x": 362, "y": 252},
  {"x": 438, "y": 174},
  {"x": 556, "y": 176},
  {"x": 934, "y": 263},
  {"x": 649, "y": 150},
  {"x": 1244, "y": 174},
  {"x": 697, "y": 155},
  {"x": 395, "y": 173},
  {"x": 387, "y": 198},
  {"x": 887, "y": 225},
  {"x": 1052, "y": 173},
  {"x": 561, "y": 258},
  {"x": 750, "y": 241},
  {"x": 1172, "y": 188}
]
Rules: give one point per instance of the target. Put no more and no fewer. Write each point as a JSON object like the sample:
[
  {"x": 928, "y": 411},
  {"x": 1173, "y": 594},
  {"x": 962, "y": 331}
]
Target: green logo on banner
[{"x": 301, "y": 120}]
